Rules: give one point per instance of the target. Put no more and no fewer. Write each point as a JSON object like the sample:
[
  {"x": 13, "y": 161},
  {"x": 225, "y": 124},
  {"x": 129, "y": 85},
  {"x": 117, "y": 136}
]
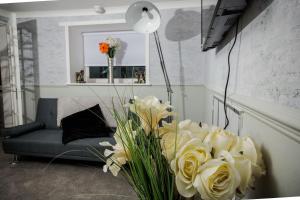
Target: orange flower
[{"x": 103, "y": 47}]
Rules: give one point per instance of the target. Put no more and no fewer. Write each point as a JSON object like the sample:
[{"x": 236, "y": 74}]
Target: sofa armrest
[{"x": 22, "y": 129}]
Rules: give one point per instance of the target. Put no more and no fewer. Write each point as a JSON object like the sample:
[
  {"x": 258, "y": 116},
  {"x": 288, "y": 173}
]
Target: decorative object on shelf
[
  {"x": 140, "y": 77},
  {"x": 166, "y": 161},
  {"x": 110, "y": 73},
  {"x": 99, "y": 9},
  {"x": 109, "y": 47},
  {"x": 144, "y": 17},
  {"x": 79, "y": 76}
]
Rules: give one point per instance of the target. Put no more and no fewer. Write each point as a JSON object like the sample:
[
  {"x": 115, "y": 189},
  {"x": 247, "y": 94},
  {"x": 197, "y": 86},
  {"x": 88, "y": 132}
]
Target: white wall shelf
[{"x": 108, "y": 84}]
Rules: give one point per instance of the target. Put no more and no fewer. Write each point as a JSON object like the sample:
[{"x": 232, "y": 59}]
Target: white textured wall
[
  {"x": 265, "y": 60},
  {"x": 51, "y": 47},
  {"x": 185, "y": 63},
  {"x": 187, "y": 100},
  {"x": 265, "y": 86}
]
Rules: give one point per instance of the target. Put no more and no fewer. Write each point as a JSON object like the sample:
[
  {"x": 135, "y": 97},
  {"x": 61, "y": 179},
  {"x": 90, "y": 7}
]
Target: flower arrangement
[
  {"x": 109, "y": 46},
  {"x": 167, "y": 160}
]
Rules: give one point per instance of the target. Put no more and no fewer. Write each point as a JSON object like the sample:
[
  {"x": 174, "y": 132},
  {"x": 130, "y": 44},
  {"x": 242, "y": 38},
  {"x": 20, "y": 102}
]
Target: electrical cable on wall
[{"x": 228, "y": 75}]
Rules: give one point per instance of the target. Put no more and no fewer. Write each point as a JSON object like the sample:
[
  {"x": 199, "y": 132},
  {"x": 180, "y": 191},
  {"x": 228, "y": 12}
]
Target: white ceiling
[{"x": 70, "y": 4}]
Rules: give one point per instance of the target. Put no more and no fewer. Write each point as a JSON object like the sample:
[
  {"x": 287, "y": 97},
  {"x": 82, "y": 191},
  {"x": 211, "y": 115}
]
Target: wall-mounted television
[{"x": 217, "y": 19}]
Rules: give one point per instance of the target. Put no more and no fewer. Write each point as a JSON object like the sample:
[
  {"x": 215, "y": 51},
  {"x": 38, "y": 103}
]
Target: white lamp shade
[{"x": 142, "y": 21}]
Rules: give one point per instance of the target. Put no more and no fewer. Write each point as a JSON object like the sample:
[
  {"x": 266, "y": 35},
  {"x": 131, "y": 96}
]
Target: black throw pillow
[{"x": 89, "y": 123}]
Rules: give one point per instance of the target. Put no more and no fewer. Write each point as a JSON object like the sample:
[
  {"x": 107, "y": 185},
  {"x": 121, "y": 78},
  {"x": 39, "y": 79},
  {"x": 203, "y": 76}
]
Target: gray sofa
[{"x": 43, "y": 138}]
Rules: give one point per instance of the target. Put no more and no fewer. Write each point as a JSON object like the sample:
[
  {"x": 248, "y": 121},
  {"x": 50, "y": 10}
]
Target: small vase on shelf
[
  {"x": 110, "y": 70},
  {"x": 109, "y": 47}
]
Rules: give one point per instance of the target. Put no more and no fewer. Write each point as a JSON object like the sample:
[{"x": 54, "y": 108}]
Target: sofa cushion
[
  {"x": 47, "y": 112},
  {"x": 47, "y": 142},
  {"x": 70, "y": 105},
  {"x": 87, "y": 123}
]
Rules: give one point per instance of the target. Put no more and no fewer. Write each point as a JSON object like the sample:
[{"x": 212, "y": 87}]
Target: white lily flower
[
  {"x": 107, "y": 152},
  {"x": 105, "y": 144}
]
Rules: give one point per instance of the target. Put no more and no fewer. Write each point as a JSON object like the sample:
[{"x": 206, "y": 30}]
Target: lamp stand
[{"x": 163, "y": 67}]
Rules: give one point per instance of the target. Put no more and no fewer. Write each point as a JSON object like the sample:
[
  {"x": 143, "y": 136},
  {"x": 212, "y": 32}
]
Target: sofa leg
[{"x": 15, "y": 160}]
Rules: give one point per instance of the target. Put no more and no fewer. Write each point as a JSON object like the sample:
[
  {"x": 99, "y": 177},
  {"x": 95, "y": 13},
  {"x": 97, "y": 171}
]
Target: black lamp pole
[{"x": 163, "y": 67}]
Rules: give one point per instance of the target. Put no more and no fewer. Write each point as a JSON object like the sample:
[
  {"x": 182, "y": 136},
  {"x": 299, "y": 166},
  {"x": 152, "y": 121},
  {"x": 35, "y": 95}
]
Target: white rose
[
  {"x": 172, "y": 138},
  {"x": 243, "y": 166},
  {"x": 182, "y": 132},
  {"x": 246, "y": 147},
  {"x": 171, "y": 142},
  {"x": 186, "y": 164},
  {"x": 248, "y": 157},
  {"x": 194, "y": 128},
  {"x": 150, "y": 111},
  {"x": 168, "y": 128},
  {"x": 220, "y": 140},
  {"x": 217, "y": 179}
]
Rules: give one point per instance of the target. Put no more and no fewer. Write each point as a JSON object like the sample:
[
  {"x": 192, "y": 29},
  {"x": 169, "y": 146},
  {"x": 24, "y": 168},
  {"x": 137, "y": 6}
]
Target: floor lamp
[{"x": 144, "y": 17}]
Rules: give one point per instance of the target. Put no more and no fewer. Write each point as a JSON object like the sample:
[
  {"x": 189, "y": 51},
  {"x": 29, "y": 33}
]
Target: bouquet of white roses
[{"x": 156, "y": 155}]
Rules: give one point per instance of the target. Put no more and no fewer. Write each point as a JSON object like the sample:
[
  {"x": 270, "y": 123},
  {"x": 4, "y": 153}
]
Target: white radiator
[
  {"x": 234, "y": 115},
  {"x": 278, "y": 140}
]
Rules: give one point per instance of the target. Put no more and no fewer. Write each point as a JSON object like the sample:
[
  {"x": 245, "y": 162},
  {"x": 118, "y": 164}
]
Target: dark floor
[{"x": 33, "y": 178}]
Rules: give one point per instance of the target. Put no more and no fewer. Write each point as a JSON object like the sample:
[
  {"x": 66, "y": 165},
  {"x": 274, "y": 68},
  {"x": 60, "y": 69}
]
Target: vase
[{"x": 110, "y": 70}]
